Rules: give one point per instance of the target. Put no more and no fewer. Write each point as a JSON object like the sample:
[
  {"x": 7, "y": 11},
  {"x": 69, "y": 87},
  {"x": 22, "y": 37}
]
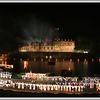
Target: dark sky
[{"x": 21, "y": 22}]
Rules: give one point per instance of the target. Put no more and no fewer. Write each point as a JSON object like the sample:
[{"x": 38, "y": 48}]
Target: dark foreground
[{"x": 24, "y": 94}]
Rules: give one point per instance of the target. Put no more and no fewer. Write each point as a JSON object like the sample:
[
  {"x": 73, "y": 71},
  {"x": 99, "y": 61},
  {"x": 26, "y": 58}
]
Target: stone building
[{"x": 55, "y": 46}]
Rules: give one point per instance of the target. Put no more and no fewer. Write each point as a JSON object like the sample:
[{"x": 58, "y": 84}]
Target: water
[{"x": 68, "y": 68}]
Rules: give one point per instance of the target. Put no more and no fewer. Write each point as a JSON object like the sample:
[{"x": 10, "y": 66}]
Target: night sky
[{"x": 21, "y": 23}]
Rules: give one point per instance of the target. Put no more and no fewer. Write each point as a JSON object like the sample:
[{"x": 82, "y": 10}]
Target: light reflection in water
[{"x": 77, "y": 68}]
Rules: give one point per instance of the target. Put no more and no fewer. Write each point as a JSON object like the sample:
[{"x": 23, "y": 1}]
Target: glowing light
[
  {"x": 46, "y": 57},
  {"x": 70, "y": 60},
  {"x": 92, "y": 59},
  {"x": 99, "y": 59},
  {"x": 25, "y": 64},
  {"x": 78, "y": 59},
  {"x": 50, "y": 57},
  {"x": 69, "y": 69},
  {"x": 57, "y": 46},
  {"x": 85, "y": 51}
]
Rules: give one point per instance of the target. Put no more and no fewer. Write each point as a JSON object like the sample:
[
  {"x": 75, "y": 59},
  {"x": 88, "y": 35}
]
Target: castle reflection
[{"x": 69, "y": 67}]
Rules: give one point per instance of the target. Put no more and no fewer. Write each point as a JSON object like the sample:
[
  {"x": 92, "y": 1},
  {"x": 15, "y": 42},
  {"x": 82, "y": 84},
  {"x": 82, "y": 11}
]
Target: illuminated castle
[{"x": 55, "y": 46}]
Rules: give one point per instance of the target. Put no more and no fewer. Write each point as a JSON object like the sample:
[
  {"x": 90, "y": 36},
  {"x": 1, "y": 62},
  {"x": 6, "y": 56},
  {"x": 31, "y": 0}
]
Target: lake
[{"x": 67, "y": 67}]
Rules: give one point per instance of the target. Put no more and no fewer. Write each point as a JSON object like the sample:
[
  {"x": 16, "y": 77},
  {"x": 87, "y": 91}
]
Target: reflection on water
[
  {"x": 69, "y": 67},
  {"x": 81, "y": 68},
  {"x": 73, "y": 68}
]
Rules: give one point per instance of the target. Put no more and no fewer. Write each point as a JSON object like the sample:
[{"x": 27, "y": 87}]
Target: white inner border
[
  {"x": 52, "y": 1},
  {"x": 49, "y": 98}
]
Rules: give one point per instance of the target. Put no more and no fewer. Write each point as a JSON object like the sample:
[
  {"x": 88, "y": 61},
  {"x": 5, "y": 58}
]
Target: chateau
[{"x": 55, "y": 46}]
